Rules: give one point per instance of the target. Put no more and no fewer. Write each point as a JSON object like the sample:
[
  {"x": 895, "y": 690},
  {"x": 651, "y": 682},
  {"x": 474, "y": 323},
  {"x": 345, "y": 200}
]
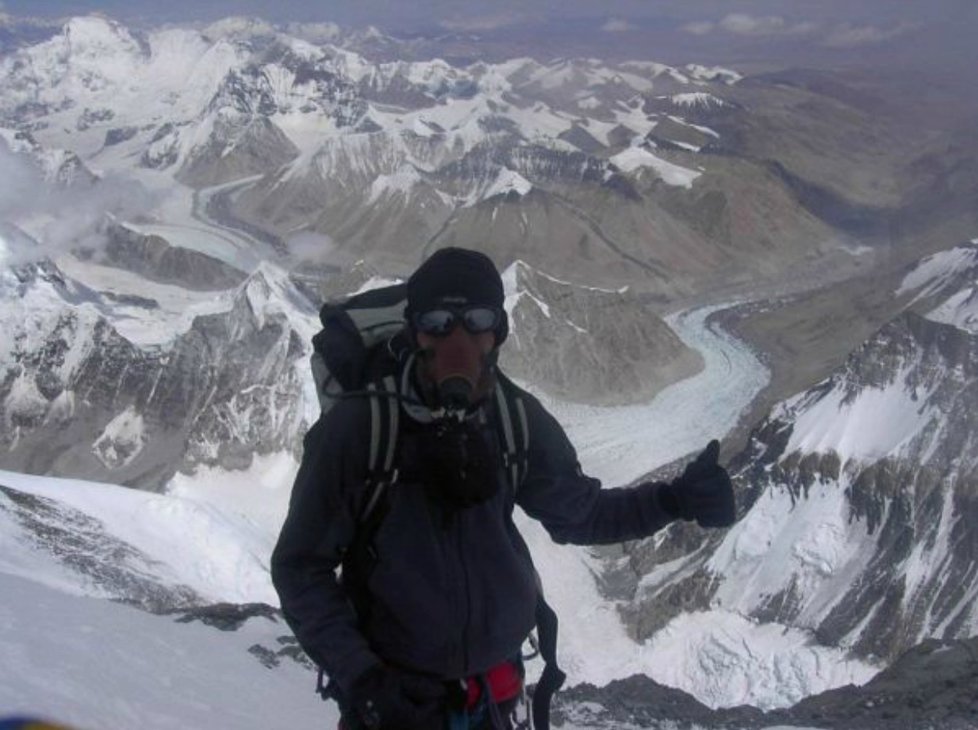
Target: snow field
[
  {"x": 876, "y": 423},
  {"x": 153, "y": 672},
  {"x": 726, "y": 660},
  {"x": 220, "y": 554},
  {"x": 98, "y": 665},
  {"x": 934, "y": 272},
  {"x": 960, "y": 310},
  {"x": 637, "y": 157}
]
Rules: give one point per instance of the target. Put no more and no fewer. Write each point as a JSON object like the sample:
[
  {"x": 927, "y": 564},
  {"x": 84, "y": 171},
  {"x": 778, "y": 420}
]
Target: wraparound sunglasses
[{"x": 440, "y": 322}]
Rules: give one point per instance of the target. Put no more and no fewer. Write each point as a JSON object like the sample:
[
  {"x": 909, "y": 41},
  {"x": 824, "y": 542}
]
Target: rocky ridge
[
  {"x": 854, "y": 496},
  {"x": 77, "y": 398},
  {"x": 602, "y": 346}
]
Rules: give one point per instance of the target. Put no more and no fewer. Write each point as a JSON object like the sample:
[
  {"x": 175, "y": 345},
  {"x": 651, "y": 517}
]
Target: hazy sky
[
  {"x": 744, "y": 16},
  {"x": 427, "y": 12},
  {"x": 935, "y": 31}
]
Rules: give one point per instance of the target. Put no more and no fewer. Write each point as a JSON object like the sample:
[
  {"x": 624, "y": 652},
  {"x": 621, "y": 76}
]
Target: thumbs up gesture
[{"x": 703, "y": 492}]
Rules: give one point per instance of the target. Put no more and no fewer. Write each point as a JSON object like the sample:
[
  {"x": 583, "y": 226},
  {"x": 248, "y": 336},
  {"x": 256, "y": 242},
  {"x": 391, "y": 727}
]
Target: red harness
[{"x": 504, "y": 681}]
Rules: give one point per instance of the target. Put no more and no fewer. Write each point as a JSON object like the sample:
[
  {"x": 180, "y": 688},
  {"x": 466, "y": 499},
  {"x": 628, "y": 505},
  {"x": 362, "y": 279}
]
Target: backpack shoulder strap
[
  {"x": 381, "y": 473},
  {"x": 384, "y": 430},
  {"x": 515, "y": 432},
  {"x": 552, "y": 678}
]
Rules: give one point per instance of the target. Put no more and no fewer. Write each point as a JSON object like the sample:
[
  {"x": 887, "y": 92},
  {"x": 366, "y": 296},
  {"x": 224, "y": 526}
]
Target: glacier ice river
[
  {"x": 720, "y": 657},
  {"x": 622, "y": 443}
]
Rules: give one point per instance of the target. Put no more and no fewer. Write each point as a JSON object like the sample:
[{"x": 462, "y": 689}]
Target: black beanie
[{"x": 460, "y": 277}]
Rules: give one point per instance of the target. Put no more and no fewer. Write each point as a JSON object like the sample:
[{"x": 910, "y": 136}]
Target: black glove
[
  {"x": 385, "y": 699},
  {"x": 703, "y": 492}
]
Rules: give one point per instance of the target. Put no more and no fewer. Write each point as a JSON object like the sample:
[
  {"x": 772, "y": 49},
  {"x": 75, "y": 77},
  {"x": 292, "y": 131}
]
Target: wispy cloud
[
  {"x": 25, "y": 21},
  {"x": 481, "y": 23},
  {"x": 314, "y": 32},
  {"x": 842, "y": 35},
  {"x": 764, "y": 25},
  {"x": 62, "y": 218},
  {"x": 616, "y": 25},
  {"x": 700, "y": 27},
  {"x": 851, "y": 36},
  {"x": 239, "y": 27}
]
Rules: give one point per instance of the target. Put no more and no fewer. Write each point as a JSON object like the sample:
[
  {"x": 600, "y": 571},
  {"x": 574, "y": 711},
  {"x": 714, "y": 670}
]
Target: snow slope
[
  {"x": 97, "y": 664},
  {"x": 941, "y": 271},
  {"x": 152, "y": 672},
  {"x": 672, "y": 174},
  {"x": 221, "y": 555}
]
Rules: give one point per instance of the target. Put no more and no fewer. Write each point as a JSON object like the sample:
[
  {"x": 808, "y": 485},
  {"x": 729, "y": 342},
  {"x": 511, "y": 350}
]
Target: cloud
[
  {"x": 238, "y": 27},
  {"x": 62, "y": 218},
  {"x": 743, "y": 24},
  {"x": 753, "y": 25},
  {"x": 616, "y": 25},
  {"x": 309, "y": 246},
  {"x": 315, "y": 32},
  {"x": 481, "y": 23},
  {"x": 8, "y": 20},
  {"x": 851, "y": 36},
  {"x": 844, "y": 35},
  {"x": 700, "y": 27}
]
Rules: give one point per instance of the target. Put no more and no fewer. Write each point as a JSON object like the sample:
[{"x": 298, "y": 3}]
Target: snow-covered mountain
[
  {"x": 144, "y": 549},
  {"x": 618, "y": 164},
  {"x": 578, "y": 328},
  {"x": 99, "y": 383},
  {"x": 857, "y": 495},
  {"x": 128, "y": 375},
  {"x": 211, "y": 186}
]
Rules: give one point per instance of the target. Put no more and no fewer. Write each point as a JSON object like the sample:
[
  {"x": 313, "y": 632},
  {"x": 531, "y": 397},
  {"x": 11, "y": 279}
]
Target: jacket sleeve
[
  {"x": 571, "y": 505},
  {"x": 320, "y": 524}
]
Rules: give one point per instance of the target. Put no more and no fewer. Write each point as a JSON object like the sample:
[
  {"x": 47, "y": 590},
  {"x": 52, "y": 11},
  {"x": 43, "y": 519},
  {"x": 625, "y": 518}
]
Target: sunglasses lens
[
  {"x": 440, "y": 322},
  {"x": 436, "y": 322},
  {"x": 480, "y": 319}
]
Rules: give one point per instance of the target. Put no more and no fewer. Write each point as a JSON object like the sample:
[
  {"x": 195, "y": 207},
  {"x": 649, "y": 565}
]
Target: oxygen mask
[{"x": 455, "y": 394}]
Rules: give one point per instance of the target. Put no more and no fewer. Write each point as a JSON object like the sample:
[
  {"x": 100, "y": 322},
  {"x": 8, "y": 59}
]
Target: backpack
[{"x": 358, "y": 353}]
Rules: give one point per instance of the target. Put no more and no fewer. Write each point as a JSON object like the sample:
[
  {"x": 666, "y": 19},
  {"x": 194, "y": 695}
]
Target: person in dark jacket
[{"x": 451, "y": 593}]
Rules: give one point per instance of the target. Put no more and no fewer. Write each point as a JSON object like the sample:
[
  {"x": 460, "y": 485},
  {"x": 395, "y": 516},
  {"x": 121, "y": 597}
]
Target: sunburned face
[{"x": 458, "y": 354}]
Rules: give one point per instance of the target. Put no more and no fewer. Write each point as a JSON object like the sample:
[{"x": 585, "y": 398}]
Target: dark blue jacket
[{"x": 451, "y": 594}]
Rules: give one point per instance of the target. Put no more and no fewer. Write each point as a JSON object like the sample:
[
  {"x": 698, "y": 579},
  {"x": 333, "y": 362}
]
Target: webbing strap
[
  {"x": 375, "y": 425},
  {"x": 552, "y": 678},
  {"x": 521, "y": 412},
  {"x": 393, "y": 413},
  {"x": 513, "y": 431},
  {"x": 506, "y": 418},
  {"x": 378, "y": 479}
]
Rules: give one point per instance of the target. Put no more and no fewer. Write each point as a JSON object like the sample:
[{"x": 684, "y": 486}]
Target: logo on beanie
[{"x": 454, "y": 299}]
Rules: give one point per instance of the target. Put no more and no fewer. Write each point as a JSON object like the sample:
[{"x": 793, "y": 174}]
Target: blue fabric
[{"x": 27, "y": 723}]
